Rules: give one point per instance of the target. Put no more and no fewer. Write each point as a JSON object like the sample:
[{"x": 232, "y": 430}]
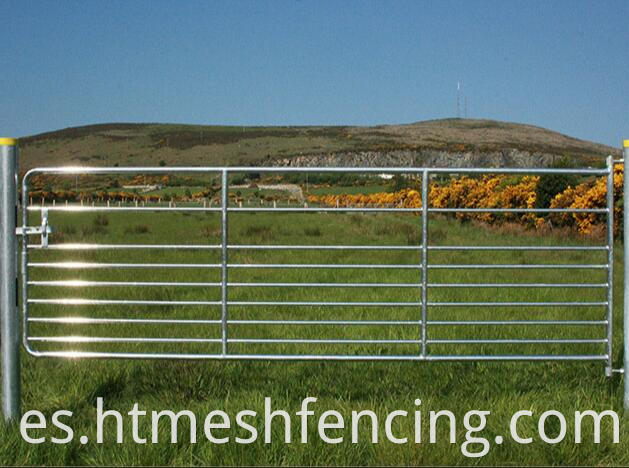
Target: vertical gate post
[
  {"x": 610, "y": 263},
  {"x": 625, "y": 200},
  {"x": 225, "y": 201},
  {"x": 9, "y": 334},
  {"x": 425, "y": 195}
]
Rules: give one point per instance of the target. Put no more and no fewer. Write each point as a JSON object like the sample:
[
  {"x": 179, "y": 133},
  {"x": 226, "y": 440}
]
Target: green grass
[{"x": 501, "y": 387}]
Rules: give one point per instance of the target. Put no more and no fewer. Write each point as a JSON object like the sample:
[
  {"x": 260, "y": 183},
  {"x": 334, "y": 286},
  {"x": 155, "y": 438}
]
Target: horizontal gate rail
[
  {"x": 86, "y": 320},
  {"x": 83, "y": 246},
  {"x": 280, "y": 209},
  {"x": 285, "y": 169},
  {"x": 88, "y": 265},
  {"x": 318, "y": 357},
  {"x": 83, "y": 283}
]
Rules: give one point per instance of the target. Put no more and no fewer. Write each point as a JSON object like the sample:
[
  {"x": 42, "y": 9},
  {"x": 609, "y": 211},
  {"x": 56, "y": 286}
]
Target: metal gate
[{"x": 224, "y": 312}]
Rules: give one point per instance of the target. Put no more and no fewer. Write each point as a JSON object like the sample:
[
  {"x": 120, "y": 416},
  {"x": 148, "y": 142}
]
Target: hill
[{"x": 435, "y": 142}]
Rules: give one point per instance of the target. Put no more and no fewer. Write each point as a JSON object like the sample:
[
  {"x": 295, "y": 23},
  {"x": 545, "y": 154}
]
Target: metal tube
[
  {"x": 518, "y": 247},
  {"x": 517, "y": 304},
  {"x": 626, "y": 276},
  {"x": 110, "y": 339},
  {"x": 424, "y": 263},
  {"x": 84, "y": 246},
  {"x": 106, "y": 266},
  {"x": 319, "y": 357},
  {"x": 78, "y": 208},
  {"x": 321, "y": 247},
  {"x": 118, "y": 339},
  {"x": 134, "y": 284},
  {"x": 517, "y": 322},
  {"x": 9, "y": 334},
  {"x": 518, "y": 267},
  {"x": 109, "y": 320},
  {"x": 72, "y": 208},
  {"x": 323, "y": 285},
  {"x": 523, "y": 341},
  {"x": 79, "y": 302},
  {"x": 224, "y": 201},
  {"x": 518, "y": 210},
  {"x": 325, "y": 304},
  {"x": 350, "y": 266},
  {"x": 93, "y": 320},
  {"x": 81, "y": 246},
  {"x": 340, "y": 209},
  {"x": 322, "y": 341},
  {"x": 267, "y": 170},
  {"x": 93, "y": 265},
  {"x": 83, "y": 283},
  {"x": 85, "y": 209},
  {"x": 518, "y": 285},
  {"x": 24, "y": 265},
  {"x": 610, "y": 262}
]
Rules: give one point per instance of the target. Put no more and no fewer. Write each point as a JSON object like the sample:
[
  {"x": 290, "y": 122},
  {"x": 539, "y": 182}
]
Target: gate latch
[{"x": 42, "y": 230}]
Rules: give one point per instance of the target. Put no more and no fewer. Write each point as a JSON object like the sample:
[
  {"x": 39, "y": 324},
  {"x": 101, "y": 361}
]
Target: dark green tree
[{"x": 551, "y": 184}]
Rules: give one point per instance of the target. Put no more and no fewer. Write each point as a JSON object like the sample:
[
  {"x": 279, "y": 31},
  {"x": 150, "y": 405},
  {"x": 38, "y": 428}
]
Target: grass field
[{"x": 500, "y": 387}]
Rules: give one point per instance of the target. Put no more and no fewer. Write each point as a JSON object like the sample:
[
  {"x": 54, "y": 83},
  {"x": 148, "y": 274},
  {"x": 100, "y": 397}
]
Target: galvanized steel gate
[{"x": 419, "y": 316}]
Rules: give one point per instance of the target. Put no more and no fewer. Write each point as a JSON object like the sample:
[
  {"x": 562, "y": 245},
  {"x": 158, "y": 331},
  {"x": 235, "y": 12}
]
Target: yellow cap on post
[
  {"x": 625, "y": 144},
  {"x": 8, "y": 142}
]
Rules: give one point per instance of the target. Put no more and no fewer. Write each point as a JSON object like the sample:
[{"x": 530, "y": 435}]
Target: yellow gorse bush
[
  {"x": 499, "y": 191},
  {"x": 587, "y": 196},
  {"x": 406, "y": 198}
]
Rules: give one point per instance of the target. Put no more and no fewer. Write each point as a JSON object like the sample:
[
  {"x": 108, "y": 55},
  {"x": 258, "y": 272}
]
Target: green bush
[{"x": 551, "y": 184}]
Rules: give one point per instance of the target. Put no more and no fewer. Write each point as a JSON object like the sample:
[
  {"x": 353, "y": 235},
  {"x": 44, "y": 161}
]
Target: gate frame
[{"x": 9, "y": 284}]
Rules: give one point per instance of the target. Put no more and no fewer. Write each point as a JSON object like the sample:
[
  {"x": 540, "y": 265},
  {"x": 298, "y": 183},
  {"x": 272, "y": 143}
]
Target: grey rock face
[{"x": 421, "y": 158}]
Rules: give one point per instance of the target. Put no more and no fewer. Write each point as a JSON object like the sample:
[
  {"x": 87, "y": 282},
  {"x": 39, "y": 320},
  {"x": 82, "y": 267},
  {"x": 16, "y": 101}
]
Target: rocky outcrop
[{"x": 421, "y": 158}]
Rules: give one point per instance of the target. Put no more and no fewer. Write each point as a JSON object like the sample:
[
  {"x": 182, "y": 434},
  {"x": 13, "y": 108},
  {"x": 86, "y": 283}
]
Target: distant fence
[{"x": 422, "y": 315}]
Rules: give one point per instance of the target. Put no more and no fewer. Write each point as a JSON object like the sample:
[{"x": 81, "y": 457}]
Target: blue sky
[{"x": 563, "y": 65}]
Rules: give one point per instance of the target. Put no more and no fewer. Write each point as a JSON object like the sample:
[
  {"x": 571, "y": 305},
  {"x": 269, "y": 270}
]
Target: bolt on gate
[{"x": 420, "y": 314}]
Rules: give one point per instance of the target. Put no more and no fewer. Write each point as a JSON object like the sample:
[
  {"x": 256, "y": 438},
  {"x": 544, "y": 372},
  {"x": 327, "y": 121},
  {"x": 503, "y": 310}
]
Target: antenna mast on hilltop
[{"x": 458, "y": 100}]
